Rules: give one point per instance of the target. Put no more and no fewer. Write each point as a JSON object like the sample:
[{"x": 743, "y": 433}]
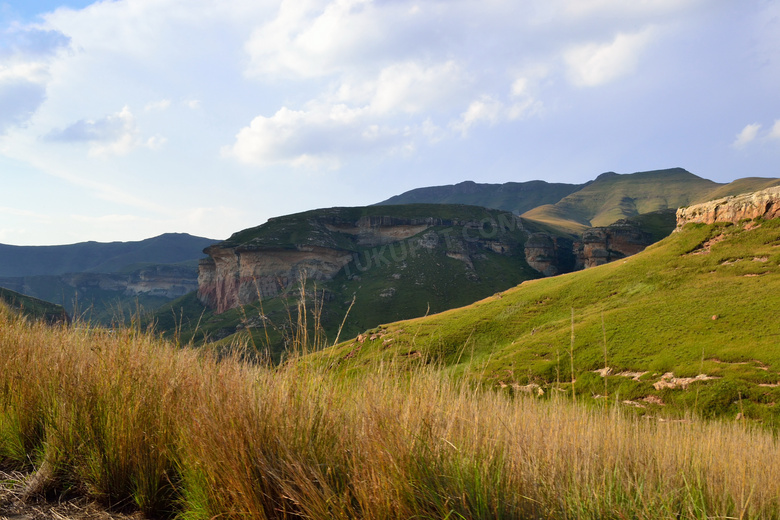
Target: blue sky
[{"x": 124, "y": 119}]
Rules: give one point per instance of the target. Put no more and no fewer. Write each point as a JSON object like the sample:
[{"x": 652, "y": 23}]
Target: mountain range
[
  {"x": 572, "y": 208},
  {"x": 105, "y": 282},
  {"x": 398, "y": 261},
  {"x": 420, "y": 252}
]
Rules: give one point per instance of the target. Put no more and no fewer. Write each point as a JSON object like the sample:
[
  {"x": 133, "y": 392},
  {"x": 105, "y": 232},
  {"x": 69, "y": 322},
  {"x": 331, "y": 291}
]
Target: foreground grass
[{"x": 136, "y": 423}]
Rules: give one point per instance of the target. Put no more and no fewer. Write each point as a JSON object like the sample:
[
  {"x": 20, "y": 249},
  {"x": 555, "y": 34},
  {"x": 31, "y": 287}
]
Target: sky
[{"x": 125, "y": 119}]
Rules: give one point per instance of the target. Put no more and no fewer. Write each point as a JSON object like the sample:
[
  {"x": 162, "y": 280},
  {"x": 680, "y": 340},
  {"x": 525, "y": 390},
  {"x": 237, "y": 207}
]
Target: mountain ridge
[{"x": 106, "y": 257}]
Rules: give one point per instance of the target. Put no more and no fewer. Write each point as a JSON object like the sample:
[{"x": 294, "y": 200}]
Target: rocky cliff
[
  {"x": 764, "y": 204},
  {"x": 552, "y": 255},
  {"x": 601, "y": 245},
  {"x": 548, "y": 254},
  {"x": 263, "y": 261},
  {"x": 233, "y": 276},
  {"x": 167, "y": 281}
]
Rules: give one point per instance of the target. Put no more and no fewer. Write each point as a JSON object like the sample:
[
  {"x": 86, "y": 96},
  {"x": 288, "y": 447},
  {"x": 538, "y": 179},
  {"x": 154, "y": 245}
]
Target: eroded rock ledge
[{"x": 764, "y": 204}]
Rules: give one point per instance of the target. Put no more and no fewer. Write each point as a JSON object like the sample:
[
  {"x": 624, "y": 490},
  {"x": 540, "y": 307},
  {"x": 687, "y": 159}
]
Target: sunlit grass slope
[
  {"x": 739, "y": 186},
  {"x": 702, "y": 301},
  {"x": 136, "y": 423},
  {"x": 614, "y": 196}
]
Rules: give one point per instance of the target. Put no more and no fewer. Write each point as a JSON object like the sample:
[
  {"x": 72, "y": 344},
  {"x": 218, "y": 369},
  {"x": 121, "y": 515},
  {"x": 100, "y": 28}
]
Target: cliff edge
[{"x": 764, "y": 204}]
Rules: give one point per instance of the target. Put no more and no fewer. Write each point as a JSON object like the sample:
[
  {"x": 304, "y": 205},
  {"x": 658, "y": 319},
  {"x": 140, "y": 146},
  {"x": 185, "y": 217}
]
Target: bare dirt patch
[{"x": 705, "y": 247}]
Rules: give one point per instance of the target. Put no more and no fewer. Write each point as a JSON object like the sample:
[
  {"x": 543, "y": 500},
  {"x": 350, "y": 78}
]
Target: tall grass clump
[{"x": 137, "y": 423}]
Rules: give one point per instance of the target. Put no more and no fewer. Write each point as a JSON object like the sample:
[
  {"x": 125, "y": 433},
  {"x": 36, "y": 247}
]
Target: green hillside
[
  {"x": 516, "y": 197},
  {"x": 702, "y": 301},
  {"x": 613, "y": 196},
  {"x": 33, "y": 307},
  {"x": 739, "y": 186}
]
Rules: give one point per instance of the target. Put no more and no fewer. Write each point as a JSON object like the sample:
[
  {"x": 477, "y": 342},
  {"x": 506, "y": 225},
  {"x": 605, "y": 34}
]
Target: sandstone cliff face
[
  {"x": 235, "y": 276},
  {"x": 264, "y": 261},
  {"x": 764, "y": 203},
  {"x": 548, "y": 254},
  {"x": 601, "y": 245},
  {"x": 555, "y": 255},
  {"x": 167, "y": 281}
]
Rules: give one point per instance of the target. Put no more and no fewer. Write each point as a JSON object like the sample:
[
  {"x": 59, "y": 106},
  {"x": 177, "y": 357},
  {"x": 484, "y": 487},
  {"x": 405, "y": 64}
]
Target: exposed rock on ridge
[
  {"x": 168, "y": 281},
  {"x": 764, "y": 203}
]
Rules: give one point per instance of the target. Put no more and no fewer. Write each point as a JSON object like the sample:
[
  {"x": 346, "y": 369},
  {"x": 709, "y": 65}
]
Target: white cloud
[
  {"x": 115, "y": 134},
  {"x": 311, "y": 38},
  {"x": 358, "y": 117},
  {"x": 484, "y": 109},
  {"x": 746, "y": 136},
  {"x": 312, "y": 138},
  {"x": 593, "y": 64},
  {"x": 644, "y": 8},
  {"x": 412, "y": 88},
  {"x": 775, "y": 132},
  {"x": 25, "y": 56}
]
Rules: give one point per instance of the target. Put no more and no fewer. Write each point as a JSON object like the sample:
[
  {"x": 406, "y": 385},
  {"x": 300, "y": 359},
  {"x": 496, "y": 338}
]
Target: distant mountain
[
  {"x": 100, "y": 257},
  {"x": 613, "y": 196},
  {"x": 105, "y": 282},
  {"x": 573, "y": 208},
  {"x": 516, "y": 197}
]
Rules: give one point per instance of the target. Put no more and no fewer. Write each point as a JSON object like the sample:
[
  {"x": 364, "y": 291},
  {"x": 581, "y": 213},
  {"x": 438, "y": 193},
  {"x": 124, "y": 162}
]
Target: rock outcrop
[
  {"x": 548, "y": 254},
  {"x": 764, "y": 204},
  {"x": 551, "y": 255},
  {"x": 601, "y": 245}
]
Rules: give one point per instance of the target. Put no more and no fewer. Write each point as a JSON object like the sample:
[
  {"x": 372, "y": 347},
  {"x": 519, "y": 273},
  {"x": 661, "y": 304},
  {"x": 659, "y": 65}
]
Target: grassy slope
[
  {"x": 33, "y": 307},
  {"x": 739, "y": 186},
  {"x": 657, "y": 309},
  {"x": 614, "y": 196}
]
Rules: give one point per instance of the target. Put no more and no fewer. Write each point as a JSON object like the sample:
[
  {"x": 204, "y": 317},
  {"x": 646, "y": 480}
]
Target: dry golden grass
[{"x": 136, "y": 423}]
